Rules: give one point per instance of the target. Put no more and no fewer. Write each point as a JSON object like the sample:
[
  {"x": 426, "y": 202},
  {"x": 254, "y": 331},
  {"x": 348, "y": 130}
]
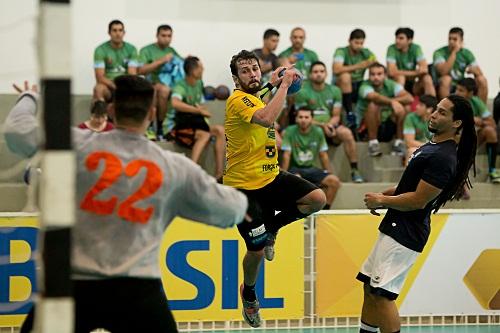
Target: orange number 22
[{"x": 113, "y": 169}]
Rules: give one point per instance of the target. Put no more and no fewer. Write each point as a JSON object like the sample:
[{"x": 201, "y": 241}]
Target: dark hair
[
  {"x": 304, "y": 108},
  {"x": 112, "y": 23},
  {"x": 357, "y": 34},
  {"x": 429, "y": 101},
  {"x": 99, "y": 108},
  {"x": 242, "y": 55},
  {"x": 163, "y": 27},
  {"x": 457, "y": 30},
  {"x": 469, "y": 84},
  {"x": 377, "y": 65},
  {"x": 133, "y": 98},
  {"x": 409, "y": 33},
  {"x": 190, "y": 63},
  {"x": 316, "y": 63},
  {"x": 270, "y": 33},
  {"x": 466, "y": 152}
]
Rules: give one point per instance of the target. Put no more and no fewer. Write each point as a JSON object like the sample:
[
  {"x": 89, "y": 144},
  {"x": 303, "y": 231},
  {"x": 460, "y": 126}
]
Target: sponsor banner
[
  {"x": 18, "y": 246},
  {"x": 457, "y": 273},
  {"x": 201, "y": 271}
]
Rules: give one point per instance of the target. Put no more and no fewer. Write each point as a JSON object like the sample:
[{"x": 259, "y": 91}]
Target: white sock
[
  {"x": 373, "y": 142},
  {"x": 397, "y": 142}
]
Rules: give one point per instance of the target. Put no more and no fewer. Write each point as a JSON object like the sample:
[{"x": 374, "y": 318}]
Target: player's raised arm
[{"x": 21, "y": 128}]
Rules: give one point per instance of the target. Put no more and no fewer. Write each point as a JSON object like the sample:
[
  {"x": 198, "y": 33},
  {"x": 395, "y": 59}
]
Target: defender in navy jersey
[{"x": 436, "y": 173}]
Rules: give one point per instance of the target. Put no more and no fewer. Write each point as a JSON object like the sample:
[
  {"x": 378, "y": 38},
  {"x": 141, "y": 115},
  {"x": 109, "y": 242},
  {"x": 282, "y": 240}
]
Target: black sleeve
[{"x": 440, "y": 170}]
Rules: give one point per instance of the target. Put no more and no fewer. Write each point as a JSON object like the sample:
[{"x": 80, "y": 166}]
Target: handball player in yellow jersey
[{"x": 252, "y": 167}]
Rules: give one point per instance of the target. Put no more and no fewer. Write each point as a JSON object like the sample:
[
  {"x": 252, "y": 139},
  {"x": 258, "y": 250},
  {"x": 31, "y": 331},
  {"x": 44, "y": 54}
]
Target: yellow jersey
[{"x": 251, "y": 153}]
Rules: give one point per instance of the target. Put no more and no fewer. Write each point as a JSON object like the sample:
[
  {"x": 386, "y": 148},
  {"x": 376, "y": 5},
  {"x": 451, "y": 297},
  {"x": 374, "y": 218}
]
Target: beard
[{"x": 251, "y": 90}]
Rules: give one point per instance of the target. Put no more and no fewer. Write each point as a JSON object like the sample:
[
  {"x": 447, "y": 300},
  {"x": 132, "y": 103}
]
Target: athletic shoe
[
  {"x": 269, "y": 248},
  {"x": 374, "y": 149},
  {"x": 356, "y": 176},
  {"x": 250, "y": 311},
  {"x": 494, "y": 177},
  {"x": 398, "y": 149}
]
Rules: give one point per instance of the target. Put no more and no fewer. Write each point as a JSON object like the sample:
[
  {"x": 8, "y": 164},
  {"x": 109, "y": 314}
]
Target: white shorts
[{"x": 387, "y": 266}]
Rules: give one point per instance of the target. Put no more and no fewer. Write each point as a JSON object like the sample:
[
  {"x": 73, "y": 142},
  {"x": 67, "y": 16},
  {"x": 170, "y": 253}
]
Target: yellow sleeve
[{"x": 244, "y": 106}]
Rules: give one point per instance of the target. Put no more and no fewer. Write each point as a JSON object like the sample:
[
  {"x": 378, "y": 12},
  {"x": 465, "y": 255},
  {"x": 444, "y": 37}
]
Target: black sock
[
  {"x": 249, "y": 293},
  {"x": 354, "y": 165},
  {"x": 491, "y": 149},
  {"x": 347, "y": 102},
  {"x": 286, "y": 216}
]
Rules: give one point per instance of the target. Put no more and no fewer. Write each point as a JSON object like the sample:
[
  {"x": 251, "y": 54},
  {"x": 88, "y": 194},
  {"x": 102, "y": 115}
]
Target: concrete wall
[{"x": 216, "y": 29}]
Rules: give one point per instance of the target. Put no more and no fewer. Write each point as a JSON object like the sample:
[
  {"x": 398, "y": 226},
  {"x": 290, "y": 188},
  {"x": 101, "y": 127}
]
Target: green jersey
[
  {"x": 304, "y": 59},
  {"x": 321, "y": 102},
  {"x": 343, "y": 55},
  {"x": 192, "y": 95},
  {"x": 389, "y": 89},
  {"x": 415, "y": 125},
  {"x": 115, "y": 61},
  {"x": 305, "y": 147},
  {"x": 479, "y": 107},
  {"x": 151, "y": 53},
  {"x": 464, "y": 59},
  {"x": 406, "y": 61}
]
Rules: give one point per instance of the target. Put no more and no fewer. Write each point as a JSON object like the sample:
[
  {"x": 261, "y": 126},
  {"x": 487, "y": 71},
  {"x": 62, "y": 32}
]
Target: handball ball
[
  {"x": 222, "y": 92},
  {"x": 209, "y": 93},
  {"x": 297, "y": 81}
]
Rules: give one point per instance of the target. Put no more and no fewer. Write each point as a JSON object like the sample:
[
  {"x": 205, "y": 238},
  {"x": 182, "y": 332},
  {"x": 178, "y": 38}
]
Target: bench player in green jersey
[
  {"x": 113, "y": 58},
  {"x": 453, "y": 61},
  {"x": 485, "y": 124},
  {"x": 416, "y": 128},
  {"x": 381, "y": 108},
  {"x": 349, "y": 65},
  {"x": 152, "y": 59},
  {"x": 326, "y": 102},
  {"x": 303, "y": 144},
  {"x": 297, "y": 54},
  {"x": 407, "y": 66}
]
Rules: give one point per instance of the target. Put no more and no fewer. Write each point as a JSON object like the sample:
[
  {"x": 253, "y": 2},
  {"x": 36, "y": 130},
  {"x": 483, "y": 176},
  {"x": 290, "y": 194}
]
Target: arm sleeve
[
  {"x": 178, "y": 91},
  {"x": 408, "y": 127},
  {"x": 243, "y": 108},
  {"x": 337, "y": 97},
  {"x": 419, "y": 53},
  {"x": 143, "y": 57},
  {"x": 99, "y": 58},
  {"x": 398, "y": 89},
  {"x": 202, "y": 199},
  {"x": 364, "y": 90},
  {"x": 323, "y": 146},
  {"x": 439, "y": 171},
  {"x": 286, "y": 144},
  {"x": 134, "y": 57},
  {"x": 339, "y": 56},
  {"x": 21, "y": 129},
  {"x": 391, "y": 55},
  {"x": 438, "y": 57}
]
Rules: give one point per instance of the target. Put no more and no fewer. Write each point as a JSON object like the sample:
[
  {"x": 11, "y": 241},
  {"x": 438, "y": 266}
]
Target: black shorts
[
  {"x": 118, "y": 305},
  {"x": 282, "y": 193},
  {"x": 312, "y": 174},
  {"x": 185, "y": 129},
  {"x": 386, "y": 130},
  {"x": 409, "y": 84}
]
